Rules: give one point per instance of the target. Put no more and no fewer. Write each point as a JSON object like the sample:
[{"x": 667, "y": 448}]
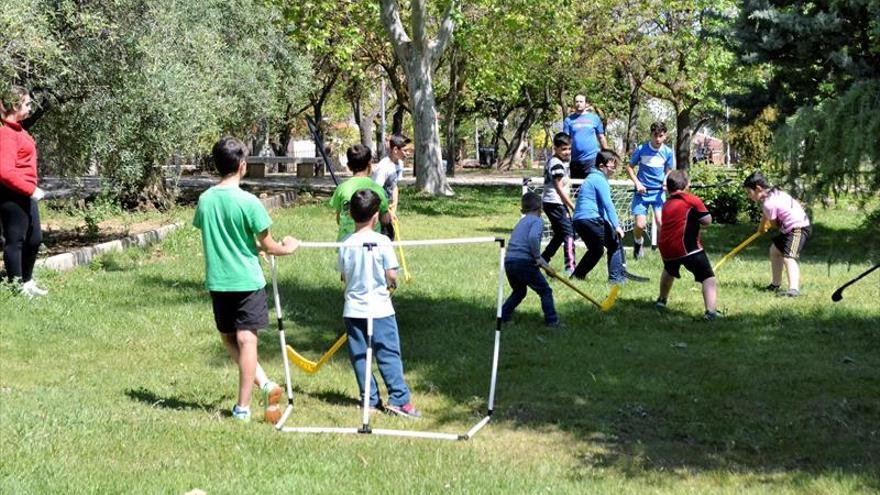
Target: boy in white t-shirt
[
  {"x": 369, "y": 269},
  {"x": 388, "y": 172}
]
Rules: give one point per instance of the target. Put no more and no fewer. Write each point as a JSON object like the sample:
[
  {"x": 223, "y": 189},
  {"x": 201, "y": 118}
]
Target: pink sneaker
[{"x": 407, "y": 410}]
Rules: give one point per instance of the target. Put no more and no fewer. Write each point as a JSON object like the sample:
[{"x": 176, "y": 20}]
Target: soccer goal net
[{"x": 622, "y": 192}]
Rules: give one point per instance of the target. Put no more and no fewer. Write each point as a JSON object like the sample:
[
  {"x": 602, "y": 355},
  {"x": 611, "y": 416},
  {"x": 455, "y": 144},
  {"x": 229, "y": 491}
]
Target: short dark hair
[
  {"x": 755, "y": 179},
  {"x": 364, "y": 203},
  {"x": 657, "y": 127},
  {"x": 359, "y": 157},
  {"x": 228, "y": 153},
  {"x": 398, "y": 141},
  {"x": 530, "y": 203},
  {"x": 561, "y": 139},
  {"x": 677, "y": 180},
  {"x": 606, "y": 156},
  {"x": 10, "y": 99}
]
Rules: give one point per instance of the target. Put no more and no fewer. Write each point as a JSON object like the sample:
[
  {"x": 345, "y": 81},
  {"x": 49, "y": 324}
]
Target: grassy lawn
[{"x": 117, "y": 382}]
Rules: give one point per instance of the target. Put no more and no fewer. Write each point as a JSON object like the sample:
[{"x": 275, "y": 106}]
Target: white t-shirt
[
  {"x": 386, "y": 173},
  {"x": 366, "y": 288}
]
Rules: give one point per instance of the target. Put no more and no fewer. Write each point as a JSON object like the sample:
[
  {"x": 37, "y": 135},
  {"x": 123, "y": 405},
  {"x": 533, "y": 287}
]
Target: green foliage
[
  {"x": 753, "y": 142},
  {"x": 728, "y": 204},
  {"x": 833, "y": 146},
  {"x": 139, "y": 81}
]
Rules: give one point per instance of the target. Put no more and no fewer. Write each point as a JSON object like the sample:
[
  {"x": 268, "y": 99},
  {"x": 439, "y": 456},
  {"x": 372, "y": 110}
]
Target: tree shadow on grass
[{"x": 781, "y": 388}]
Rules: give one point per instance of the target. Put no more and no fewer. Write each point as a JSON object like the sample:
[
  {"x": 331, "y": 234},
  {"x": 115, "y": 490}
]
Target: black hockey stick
[
  {"x": 319, "y": 143},
  {"x": 626, "y": 273},
  {"x": 838, "y": 294},
  {"x": 692, "y": 186}
]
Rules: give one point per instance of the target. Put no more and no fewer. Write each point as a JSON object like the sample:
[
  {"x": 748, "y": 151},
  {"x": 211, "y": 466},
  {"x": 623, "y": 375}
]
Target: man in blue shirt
[
  {"x": 655, "y": 160},
  {"x": 587, "y": 136}
]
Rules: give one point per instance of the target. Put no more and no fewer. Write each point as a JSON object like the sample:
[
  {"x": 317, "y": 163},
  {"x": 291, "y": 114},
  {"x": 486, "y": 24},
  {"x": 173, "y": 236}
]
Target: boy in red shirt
[{"x": 683, "y": 216}]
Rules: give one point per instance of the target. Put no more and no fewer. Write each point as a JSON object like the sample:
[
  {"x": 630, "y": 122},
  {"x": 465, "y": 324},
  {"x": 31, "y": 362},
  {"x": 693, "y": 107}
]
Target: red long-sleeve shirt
[{"x": 18, "y": 159}]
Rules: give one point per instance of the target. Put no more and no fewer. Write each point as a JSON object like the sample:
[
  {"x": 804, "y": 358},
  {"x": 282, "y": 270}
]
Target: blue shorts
[{"x": 641, "y": 202}]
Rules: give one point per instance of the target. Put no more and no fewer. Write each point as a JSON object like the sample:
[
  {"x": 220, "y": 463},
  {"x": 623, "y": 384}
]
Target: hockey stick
[
  {"x": 605, "y": 305},
  {"x": 310, "y": 366},
  {"x": 838, "y": 294},
  {"x": 737, "y": 249},
  {"x": 692, "y": 186},
  {"x": 626, "y": 273},
  {"x": 406, "y": 276},
  {"x": 319, "y": 143}
]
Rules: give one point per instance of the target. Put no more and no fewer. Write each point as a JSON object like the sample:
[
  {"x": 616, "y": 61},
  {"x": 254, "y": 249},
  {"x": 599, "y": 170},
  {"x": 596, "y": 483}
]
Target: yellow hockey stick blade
[
  {"x": 609, "y": 301},
  {"x": 298, "y": 359}
]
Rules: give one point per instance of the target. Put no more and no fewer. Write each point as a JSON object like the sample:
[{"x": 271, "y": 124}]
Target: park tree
[
  {"x": 419, "y": 53},
  {"x": 823, "y": 61},
  {"x": 690, "y": 66},
  {"x": 132, "y": 83}
]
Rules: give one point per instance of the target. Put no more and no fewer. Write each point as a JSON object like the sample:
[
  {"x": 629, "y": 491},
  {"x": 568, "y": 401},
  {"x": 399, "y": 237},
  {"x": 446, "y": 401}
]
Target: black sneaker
[
  {"x": 660, "y": 304},
  {"x": 711, "y": 315},
  {"x": 638, "y": 252},
  {"x": 789, "y": 293},
  {"x": 556, "y": 325},
  {"x": 771, "y": 288}
]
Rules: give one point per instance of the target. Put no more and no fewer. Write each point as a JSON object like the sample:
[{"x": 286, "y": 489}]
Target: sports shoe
[
  {"x": 272, "y": 394},
  {"x": 638, "y": 252},
  {"x": 789, "y": 293},
  {"x": 241, "y": 414},
  {"x": 771, "y": 288},
  {"x": 407, "y": 410},
  {"x": 30, "y": 289},
  {"x": 569, "y": 272},
  {"x": 660, "y": 304},
  {"x": 711, "y": 315},
  {"x": 556, "y": 325}
]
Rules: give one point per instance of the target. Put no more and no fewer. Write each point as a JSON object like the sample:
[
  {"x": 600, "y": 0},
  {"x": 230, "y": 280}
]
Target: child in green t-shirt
[
  {"x": 235, "y": 228},
  {"x": 359, "y": 157}
]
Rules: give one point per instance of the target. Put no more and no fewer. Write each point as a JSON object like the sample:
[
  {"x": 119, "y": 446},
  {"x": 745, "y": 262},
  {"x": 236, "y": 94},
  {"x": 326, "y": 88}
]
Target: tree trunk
[
  {"x": 451, "y": 108},
  {"x": 632, "y": 122},
  {"x": 397, "y": 119},
  {"x": 364, "y": 122},
  {"x": 685, "y": 134},
  {"x": 430, "y": 176},
  {"x": 514, "y": 153}
]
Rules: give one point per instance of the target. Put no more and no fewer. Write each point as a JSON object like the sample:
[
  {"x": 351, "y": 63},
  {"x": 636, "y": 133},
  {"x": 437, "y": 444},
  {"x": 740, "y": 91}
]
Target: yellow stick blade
[
  {"x": 303, "y": 363},
  {"x": 609, "y": 301},
  {"x": 335, "y": 347}
]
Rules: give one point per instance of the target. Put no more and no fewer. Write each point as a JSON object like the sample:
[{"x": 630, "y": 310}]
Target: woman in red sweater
[{"x": 19, "y": 193}]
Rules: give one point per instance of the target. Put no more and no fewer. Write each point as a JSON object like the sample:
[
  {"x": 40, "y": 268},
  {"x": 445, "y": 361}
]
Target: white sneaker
[{"x": 30, "y": 289}]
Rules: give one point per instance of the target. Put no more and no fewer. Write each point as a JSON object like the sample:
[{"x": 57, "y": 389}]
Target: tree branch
[
  {"x": 445, "y": 33},
  {"x": 398, "y": 37}
]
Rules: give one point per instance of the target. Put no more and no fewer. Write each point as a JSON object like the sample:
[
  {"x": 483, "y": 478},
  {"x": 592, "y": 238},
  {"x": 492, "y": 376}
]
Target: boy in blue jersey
[
  {"x": 655, "y": 160},
  {"x": 587, "y": 136},
  {"x": 523, "y": 259},
  {"x": 596, "y": 222}
]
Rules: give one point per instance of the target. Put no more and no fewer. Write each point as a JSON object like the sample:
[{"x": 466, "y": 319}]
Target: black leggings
[{"x": 21, "y": 229}]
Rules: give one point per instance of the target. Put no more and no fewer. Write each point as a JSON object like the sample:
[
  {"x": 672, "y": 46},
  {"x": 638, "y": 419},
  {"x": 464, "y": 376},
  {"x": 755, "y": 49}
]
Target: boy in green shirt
[
  {"x": 359, "y": 157},
  {"x": 235, "y": 228}
]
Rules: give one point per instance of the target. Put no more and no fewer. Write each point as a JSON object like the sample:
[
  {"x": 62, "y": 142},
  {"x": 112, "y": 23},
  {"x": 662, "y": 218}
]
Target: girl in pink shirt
[{"x": 784, "y": 212}]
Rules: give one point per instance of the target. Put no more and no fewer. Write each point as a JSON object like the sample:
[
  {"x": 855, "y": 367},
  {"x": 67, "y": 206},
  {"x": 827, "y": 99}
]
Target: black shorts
[
  {"x": 696, "y": 263},
  {"x": 792, "y": 243},
  {"x": 235, "y": 311}
]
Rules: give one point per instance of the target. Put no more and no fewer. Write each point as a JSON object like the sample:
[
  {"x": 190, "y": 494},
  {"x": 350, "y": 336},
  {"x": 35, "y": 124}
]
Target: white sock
[{"x": 261, "y": 377}]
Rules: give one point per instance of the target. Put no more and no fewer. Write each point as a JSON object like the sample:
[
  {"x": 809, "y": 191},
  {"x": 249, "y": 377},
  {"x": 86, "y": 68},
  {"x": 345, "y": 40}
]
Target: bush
[{"x": 728, "y": 203}]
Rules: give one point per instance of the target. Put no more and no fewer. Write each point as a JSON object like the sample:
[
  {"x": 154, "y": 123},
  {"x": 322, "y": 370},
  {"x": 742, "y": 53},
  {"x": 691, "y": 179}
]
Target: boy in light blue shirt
[
  {"x": 655, "y": 160},
  {"x": 523, "y": 259},
  {"x": 368, "y": 274}
]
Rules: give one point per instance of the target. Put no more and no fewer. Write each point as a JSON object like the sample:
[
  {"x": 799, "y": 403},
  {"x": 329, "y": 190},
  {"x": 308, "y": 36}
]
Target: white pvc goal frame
[{"x": 365, "y": 427}]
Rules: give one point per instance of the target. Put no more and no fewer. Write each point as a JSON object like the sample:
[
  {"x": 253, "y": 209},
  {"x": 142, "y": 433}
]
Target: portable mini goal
[
  {"x": 622, "y": 192},
  {"x": 365, "y": 424}
]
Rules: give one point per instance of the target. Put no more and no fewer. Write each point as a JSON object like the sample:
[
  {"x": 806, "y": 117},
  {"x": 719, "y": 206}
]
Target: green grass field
[{"x": 118, "y": 383}]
